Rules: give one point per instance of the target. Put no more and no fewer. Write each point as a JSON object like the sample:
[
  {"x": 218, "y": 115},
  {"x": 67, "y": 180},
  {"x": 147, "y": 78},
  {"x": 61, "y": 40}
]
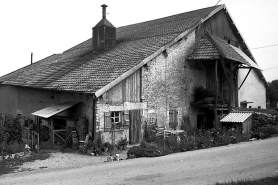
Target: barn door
[{"x": 134, "y": 126}]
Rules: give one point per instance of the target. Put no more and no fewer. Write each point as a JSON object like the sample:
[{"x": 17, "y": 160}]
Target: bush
[
  {"x": 197, "y": 139},
  {"x": 147, "y": 149},
  {"x": 264, "y": 132},
  {"x": 201, "y": 93},
  {"x": 150, "y": 132},
  {"x": 15, "y": 148}
]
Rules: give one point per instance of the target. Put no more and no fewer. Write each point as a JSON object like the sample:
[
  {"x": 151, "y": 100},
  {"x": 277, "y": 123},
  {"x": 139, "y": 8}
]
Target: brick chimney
[{"x": 104, "y": 33}]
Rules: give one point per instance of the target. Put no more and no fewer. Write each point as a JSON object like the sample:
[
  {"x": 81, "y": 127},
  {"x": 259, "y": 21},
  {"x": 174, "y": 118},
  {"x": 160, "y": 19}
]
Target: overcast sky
[{"x": 46, "y": 27}]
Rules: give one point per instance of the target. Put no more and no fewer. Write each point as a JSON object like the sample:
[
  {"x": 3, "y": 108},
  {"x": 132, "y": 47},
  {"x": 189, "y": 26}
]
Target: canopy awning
[
  {"x": 53, "y": 110},
  {"x": 237, "y": 116}
]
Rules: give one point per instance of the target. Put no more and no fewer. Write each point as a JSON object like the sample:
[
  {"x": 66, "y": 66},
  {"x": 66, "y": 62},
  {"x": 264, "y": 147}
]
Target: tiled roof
[
  {"x": 79, "y": 69},
  {"x": 204, "y": 50},
  {"x": 211, "y": 47}
]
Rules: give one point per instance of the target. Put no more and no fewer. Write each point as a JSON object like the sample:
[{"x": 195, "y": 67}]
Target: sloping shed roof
[
  {"x": 53, "y": 110},
  {"x": 79, "y": 69},
  {"x": 211, "y": 47},
  {"x": 237, "y": 117}
]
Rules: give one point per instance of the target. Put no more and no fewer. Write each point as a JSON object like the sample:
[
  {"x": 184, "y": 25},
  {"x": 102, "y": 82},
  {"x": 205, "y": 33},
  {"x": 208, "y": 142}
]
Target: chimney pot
[{"x": 104, "y": 11}]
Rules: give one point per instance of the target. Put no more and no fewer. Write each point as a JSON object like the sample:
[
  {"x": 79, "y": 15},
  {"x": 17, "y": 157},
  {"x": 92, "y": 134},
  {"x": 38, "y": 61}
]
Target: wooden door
[{"x": 135, "y": 126}]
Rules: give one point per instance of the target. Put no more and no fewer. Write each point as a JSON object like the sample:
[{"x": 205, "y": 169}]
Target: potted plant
[
  {"x": 106, "y": 146},
  {"x": 123, "y": 142}
]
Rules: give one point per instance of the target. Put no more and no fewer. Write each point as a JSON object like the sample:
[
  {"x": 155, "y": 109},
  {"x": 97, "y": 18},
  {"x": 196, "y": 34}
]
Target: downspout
[{"x": 94, "y": 127}]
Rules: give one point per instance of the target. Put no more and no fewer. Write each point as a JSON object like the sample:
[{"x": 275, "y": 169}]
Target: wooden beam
[
  {"x": 216, "y": 96},
  {"x": 226, "y": 72},
  {"x": 245, "y": 78},
  {"x": 231, "y": 93},
  {"x": 52, "y": 132}
]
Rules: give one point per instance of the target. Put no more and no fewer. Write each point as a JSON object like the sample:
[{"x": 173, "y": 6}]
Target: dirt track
[{"x": 246, "y": 160}]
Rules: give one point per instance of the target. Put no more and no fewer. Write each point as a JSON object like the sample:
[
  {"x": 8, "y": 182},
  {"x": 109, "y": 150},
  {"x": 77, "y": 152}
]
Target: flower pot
[{"x": 84, "y": 149}]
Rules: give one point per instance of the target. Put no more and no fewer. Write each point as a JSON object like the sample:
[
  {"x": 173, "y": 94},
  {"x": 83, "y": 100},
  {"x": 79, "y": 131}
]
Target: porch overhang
[
  {"x": 53, "y": 110},
  {"x": 211, "y": 47}
]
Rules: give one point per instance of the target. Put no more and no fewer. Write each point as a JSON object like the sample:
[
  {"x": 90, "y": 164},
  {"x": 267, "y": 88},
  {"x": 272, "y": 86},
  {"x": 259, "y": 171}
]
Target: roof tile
[{"x": 80, "y": 69}]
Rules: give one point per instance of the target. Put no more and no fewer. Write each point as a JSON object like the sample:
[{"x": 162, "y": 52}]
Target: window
[
  {"x": 232, "y": 42},
  {"x": 116, "y": 119},
  {"x": 173, "y": 119}
]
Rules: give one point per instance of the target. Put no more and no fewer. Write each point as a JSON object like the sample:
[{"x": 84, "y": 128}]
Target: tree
[{"x": 272, "y": 91}]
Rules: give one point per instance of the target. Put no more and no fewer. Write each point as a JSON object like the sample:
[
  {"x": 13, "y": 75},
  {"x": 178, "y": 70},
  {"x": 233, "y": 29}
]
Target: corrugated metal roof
[
  {"x": 53, "y": 110},
  {"x": 237, "y": 117}
]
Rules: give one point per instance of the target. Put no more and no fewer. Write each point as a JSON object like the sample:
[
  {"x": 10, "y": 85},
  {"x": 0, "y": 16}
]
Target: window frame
[{"x": 118, "y": 118}]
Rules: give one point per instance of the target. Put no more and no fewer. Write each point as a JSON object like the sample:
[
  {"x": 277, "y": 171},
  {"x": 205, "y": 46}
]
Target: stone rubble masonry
[{"x": 167, "y": 83}]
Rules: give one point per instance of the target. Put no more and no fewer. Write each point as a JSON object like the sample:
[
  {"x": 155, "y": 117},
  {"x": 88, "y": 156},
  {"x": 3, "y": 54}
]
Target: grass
[
  {"x": 264, "y": 181},
  {"x": 9, "y": 165}
]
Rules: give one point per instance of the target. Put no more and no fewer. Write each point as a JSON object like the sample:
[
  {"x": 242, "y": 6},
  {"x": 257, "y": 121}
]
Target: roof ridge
[
  {"x": 168, "y": 16},
  {"x": 118, "y": 28}
]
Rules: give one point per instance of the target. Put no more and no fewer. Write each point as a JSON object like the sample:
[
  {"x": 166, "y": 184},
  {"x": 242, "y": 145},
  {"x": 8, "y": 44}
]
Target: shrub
[
  {"x": 264, "y": 132},
  {"x": 15, "y": 148},
  {"x": 147, "y": 149},
  {"x": 201, "y": 93},
  {"x": 150, "y": 132}
]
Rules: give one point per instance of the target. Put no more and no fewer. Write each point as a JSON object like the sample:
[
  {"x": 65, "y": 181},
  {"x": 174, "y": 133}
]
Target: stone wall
[{"x": 168, "y": 82}]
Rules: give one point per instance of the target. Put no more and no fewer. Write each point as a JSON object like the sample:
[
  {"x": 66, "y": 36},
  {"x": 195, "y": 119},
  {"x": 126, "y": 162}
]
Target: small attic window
[{"x": 232, "y": 42}]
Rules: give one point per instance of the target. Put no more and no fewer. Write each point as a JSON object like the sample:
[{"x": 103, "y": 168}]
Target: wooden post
[
  {"x": 52, "y": 132},
  {"x": 216, "y": 96},
  {"x": 236, "y": 89},
  {"x": 222, "y": 95},
  {"x": 232, "y": 87}
]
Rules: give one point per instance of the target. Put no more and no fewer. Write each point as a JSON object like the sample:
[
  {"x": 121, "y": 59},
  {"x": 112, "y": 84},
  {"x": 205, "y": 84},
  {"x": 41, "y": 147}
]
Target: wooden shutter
[
  {"x": 175, "y": 120},
  {"x": 126, "y": 118},
  {"x": 171, "y": 116},
  {"x": 107, "y": 121}
]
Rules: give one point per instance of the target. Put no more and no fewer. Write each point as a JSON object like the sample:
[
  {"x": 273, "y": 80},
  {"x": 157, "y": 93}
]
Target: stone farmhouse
[{"x": 142, "y": 73}]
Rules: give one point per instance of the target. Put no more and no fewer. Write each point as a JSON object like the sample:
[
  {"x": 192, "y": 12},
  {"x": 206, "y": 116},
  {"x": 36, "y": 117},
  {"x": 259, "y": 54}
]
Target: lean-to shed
[{"x": 239, "y": 118}]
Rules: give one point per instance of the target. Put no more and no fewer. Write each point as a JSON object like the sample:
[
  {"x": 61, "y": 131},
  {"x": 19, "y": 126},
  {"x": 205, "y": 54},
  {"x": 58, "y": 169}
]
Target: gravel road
[
  {"x": 58, "y": 160},
  {"x": 245, "y": 160}
]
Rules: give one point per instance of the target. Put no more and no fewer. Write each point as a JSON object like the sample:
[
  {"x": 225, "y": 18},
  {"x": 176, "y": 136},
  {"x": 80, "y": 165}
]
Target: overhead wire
[
  {"x": 265, "y": 46},
  {"x": 270, "y": 68},
  {"x": 217, "y": 2}
]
